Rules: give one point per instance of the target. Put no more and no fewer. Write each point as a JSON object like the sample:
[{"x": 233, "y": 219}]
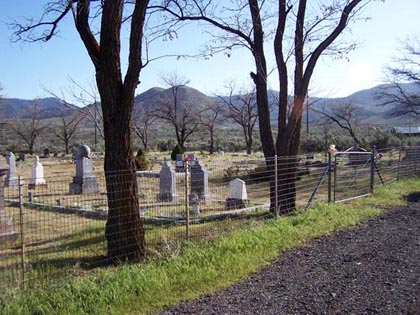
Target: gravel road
[{"x": 371, "y": 269}]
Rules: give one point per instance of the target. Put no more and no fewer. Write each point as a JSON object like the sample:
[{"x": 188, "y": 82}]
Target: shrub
[
  {"x": 312, "y": 144},
  {"x": 141, "y": 161},
  {"x": 175, "y": 151}
]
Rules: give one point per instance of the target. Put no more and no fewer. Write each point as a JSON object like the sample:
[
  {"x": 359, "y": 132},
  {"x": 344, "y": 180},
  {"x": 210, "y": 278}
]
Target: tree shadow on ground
[{"x": 412, "y": 197}]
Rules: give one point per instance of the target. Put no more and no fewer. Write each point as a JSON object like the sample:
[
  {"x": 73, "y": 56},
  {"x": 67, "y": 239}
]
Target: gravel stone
[{"x": 373, "y": 268}]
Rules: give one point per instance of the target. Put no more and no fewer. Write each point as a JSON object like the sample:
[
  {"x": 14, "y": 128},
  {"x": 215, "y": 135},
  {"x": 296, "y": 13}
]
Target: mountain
[
  {"x": 369, "y": 102},
  {"x": 370, "y": 105},
  {"x": 11, "y": 108},
  {"x": 185, "y": 95}
]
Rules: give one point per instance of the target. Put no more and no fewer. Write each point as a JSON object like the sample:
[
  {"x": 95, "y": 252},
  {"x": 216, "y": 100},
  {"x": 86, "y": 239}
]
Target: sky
[{"x": 27, "y": 70}]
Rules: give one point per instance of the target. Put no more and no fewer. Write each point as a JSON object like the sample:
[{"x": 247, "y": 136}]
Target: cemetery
[
  {"x": 162, "y": 192},
  {"x": 58, "y": 204}
]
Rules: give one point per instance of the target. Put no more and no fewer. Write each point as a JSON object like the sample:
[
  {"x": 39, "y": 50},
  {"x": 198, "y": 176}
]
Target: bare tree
[
  {"x": 242, "y": 109},
  {"x": 404, "y": 98},
  {"x": 66, "y": 130},
  {"x": 209, "y": 118},
  {"x": 87, "y": 100},
  {"x": 124, "y": 227},
  {"x": 143, "y": 119},
  {"x": 345, "y": 115},
  {"x": 300, "y": 33},
  {"x": 29, "y": 129},
  {"x": 181, "y": 114}
]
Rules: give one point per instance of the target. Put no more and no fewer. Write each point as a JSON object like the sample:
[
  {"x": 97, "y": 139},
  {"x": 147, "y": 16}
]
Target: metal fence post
[
  {"x": 335, "y": 177},
  {"x": 399, "y": 162},
  {"x": 276, "y": 186},
  {"x": 22, "y": 232},
  {"x": 187, "y": 211},
  {"x": 372, "y": 169},
  {"x": 329, "y": 177}
]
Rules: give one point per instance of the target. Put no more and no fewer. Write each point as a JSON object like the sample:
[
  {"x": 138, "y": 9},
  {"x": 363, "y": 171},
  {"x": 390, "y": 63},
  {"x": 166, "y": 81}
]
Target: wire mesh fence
[{"x": 66, "y": 225}]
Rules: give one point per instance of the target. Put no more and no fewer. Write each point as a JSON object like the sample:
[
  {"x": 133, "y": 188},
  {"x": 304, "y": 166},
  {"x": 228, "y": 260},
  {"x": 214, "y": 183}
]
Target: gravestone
[
  {"x": 167, "y": 183},
  {"x": 37, "y": 175},
  {"x": 85, "y": 181},
  {"x": 22, "y": 157},
  {"x": 55, "y": 154},
  {"x": 192, "y": 158},
  {"x": 7, "y": 234},
  {"x": 199, "y": 183},
  {"x": 11, "y": 178},
  {"x": 222, "y": 153},
  {"x": 238, "y": 197},
  {"x": 46, "y": 152},
  {"x": 179, "y": 163}
]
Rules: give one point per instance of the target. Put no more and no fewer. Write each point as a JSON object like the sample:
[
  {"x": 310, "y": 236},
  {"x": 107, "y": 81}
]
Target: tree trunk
[
  {"x": 287, "y": 148},
  {"x": 249, "y": 146},
  {"x": 66, "y": 144},
  {"x": 124, "y": 228},
  {"x": 211, "y": 150}
]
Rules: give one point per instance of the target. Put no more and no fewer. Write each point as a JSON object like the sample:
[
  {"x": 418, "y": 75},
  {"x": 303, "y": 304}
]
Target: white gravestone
[
  {"x": 238, "y": 197},
  {"x": 237, "y": 189},
  {"x": 11, "y": 177},
  {"x": 85, "y": 181},
  {"x": 37, "y": 174}
]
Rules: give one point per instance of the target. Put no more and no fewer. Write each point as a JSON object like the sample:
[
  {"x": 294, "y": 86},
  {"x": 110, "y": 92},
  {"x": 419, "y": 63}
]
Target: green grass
[{"x": 147, "y": 287}]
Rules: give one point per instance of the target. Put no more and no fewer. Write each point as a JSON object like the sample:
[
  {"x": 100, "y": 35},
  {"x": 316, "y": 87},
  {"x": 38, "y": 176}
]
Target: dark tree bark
[
  {"x": 319, "y": 33},
  {"x": 124, "y": 228}
]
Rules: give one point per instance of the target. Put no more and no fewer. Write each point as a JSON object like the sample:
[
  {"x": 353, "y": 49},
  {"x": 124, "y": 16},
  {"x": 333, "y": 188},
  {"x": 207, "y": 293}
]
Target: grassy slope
[{"x": 144, "y": 288}]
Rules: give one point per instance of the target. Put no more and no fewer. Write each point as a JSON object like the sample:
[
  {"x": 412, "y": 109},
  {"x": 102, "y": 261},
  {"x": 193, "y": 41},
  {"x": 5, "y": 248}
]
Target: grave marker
[
  {"x": 179, "y": 163},
  {"x": 11, "y": 178},
  {"x": 7, "y": 234},
  {"x": 37, "y": 175},
  {"x": 199, "y": 183},
  {"x": 46, "y": 152},
  {"x": 167, "y": 183},
  {"x": 85, "y": 181},
  {"x": 238, "y": 197}
]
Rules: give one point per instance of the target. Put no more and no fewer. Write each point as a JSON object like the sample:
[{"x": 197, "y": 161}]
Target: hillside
[
  {"x": 369, "y": 101},
  {"x": 11, "y": 108},
  {"x": 186, "y": 95},
  {"x": 370, "y": 105}
]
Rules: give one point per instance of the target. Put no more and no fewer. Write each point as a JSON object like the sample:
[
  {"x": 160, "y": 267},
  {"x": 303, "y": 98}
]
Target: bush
[
  {"x": 312, "y": 144},
  {"x": 141, "y": 161},
  {"x": 175, "y": 151}
]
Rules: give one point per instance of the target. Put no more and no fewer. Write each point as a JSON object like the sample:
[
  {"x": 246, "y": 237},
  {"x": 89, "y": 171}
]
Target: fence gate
[{"x": 353, "y": 175}]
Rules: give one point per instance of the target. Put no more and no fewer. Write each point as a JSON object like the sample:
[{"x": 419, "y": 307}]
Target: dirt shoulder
[{"x": 371, "y": 269}]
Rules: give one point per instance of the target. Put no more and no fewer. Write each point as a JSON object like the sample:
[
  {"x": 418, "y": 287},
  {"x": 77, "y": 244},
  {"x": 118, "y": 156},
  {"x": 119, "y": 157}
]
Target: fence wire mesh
[{"x": 59, "y": 228}]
